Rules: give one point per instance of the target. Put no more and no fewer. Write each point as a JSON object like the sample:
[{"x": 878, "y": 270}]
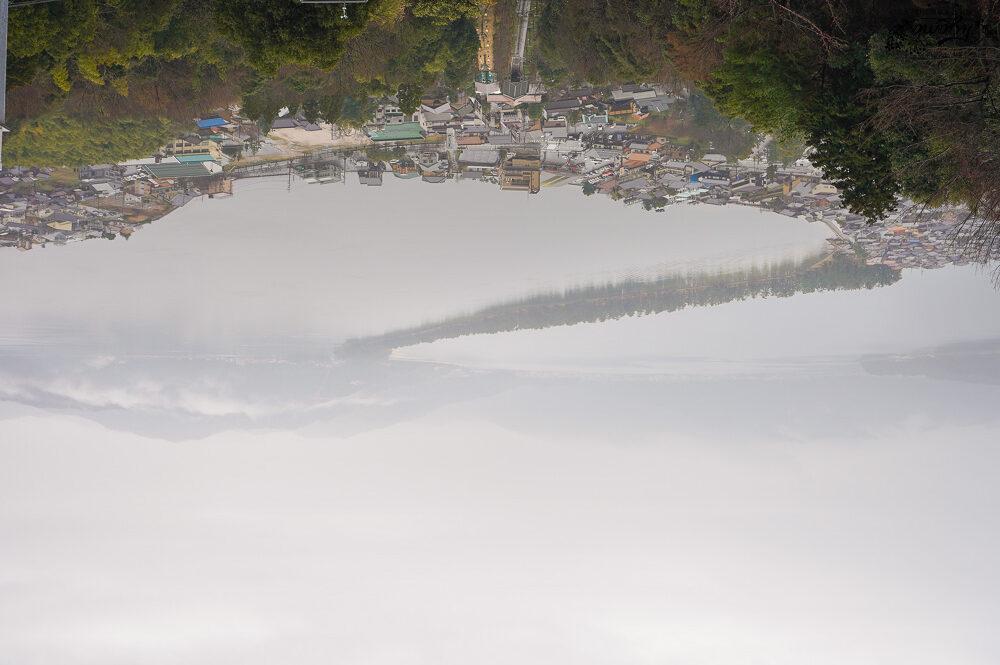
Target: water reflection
[
  {"x": 286, "y": 354},
  {"x": 666, "y": 293},
  {"x": 266, "y": 333},
  {"x": 623, "y": 442}
]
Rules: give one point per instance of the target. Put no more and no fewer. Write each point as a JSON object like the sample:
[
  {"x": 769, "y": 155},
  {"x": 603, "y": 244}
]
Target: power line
[{"x": 28, "y": 3}]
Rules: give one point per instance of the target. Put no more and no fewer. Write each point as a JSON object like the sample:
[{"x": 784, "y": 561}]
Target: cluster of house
[
  {"x": 108, "y": 200},
  {"x": 582, "y": 137},
  {"x": 911, "y": 237},
  {"x": 90, "y": 208},
  {"x": 508, "y": 136},
  {"x": 434, "y": 116},
  {"x": 29, "y": 216},
  {"x": 915, "y": 238},
  {"x": 516, "y": 114}
]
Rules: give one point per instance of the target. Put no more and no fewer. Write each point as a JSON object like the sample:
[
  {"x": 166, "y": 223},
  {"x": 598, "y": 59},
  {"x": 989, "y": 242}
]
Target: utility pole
[{"x": 4, "y": 8}]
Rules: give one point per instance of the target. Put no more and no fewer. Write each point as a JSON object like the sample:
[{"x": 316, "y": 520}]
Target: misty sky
[{"x": 190, "y": 473}]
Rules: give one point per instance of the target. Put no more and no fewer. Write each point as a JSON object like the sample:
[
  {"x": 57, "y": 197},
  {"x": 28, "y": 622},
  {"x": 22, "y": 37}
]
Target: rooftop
[
  {"x": 186, "y": 159},
  {"x": 403, "y": 132},
  {"x": 211, "y": 122},
  {"x": 178, "y": 170}
]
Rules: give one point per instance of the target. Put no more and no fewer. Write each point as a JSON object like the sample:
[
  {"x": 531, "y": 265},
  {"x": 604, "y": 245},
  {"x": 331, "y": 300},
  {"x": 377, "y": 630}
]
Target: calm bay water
[{"x": 196, "y": 470}]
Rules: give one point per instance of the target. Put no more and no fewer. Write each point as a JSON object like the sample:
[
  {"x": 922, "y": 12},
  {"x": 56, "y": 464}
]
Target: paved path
[{"x": 523, "y": 13}]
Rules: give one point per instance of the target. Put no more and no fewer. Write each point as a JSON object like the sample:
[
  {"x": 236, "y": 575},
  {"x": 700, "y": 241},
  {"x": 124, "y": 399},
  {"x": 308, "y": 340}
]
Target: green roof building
[
  {"x": 188, "y": 159},
  {"x": 407, "y": 131},
  {"x": 179, "y": 170}
]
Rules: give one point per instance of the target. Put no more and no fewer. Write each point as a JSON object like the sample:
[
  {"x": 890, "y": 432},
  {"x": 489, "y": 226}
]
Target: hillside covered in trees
[
  {"x": 130, "y": 68},
  {"x": 896, "y": 97}
]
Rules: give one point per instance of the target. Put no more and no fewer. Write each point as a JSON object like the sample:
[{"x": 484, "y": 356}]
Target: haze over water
[
  {"x": 338, "y": 261},
  {"x": 195, "y": 475}
]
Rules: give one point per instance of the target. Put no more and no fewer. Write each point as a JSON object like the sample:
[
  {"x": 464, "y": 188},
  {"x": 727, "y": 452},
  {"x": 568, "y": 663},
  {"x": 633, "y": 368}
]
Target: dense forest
[
  {"x": 638, "y": 298},
  {"x": 896, "y": 97}
]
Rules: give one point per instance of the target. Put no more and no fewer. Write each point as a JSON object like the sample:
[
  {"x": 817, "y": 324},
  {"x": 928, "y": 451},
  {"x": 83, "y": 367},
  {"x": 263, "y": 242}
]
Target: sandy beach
[{"x": 297, "y": 140}]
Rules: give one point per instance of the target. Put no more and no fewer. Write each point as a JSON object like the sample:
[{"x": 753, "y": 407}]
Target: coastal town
[
  {"x": 580, "y": 139},
  {"x": 636, "y": 143}
]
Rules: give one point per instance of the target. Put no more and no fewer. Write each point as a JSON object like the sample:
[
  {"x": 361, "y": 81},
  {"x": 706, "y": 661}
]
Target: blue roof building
[{"x": 211, "y": 122}]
